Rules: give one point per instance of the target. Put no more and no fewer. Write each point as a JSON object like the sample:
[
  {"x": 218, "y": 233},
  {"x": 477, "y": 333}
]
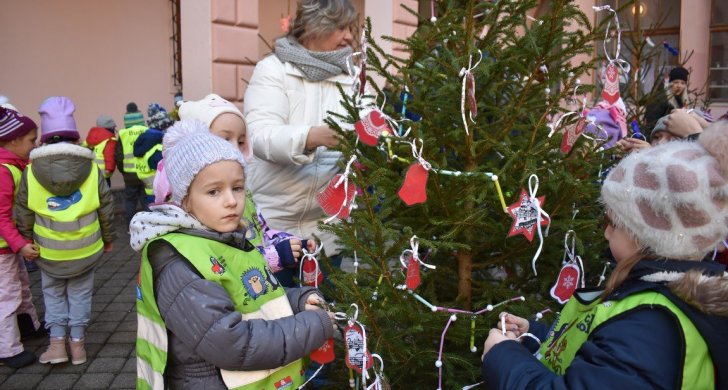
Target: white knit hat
[
  {"x": 208, "y": 109},
  {"x": 188, "y": 148},
  {"x": 673, "y": 198}
]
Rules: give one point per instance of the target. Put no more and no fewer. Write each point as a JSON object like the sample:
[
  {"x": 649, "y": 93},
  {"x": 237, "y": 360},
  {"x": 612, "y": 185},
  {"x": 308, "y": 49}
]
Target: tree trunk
[{"x": 465, "y": 272}]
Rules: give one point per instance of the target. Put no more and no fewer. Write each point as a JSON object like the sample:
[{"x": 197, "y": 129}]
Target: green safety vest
[
  {"x": 16, "y": 174},
  {"x": 98, "y": 150},
  {"x": 144, "y": 172},
  {"x": 127, "y": 137},
  {"x": 250, "y": 218},
  {"x": 578, "y": 320},
  {"x": 253, "y": 289},
  {"x": 66, "y": 228}
]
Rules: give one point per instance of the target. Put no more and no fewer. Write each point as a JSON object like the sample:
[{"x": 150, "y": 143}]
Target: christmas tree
[{"x": 472, "y": 107}]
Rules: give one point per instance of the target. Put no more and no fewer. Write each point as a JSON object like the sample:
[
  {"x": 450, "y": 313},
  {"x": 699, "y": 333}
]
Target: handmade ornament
[
  {"x": 468, "y": 90},
  {"x": 325, "y": 353},
  {"x": 571, "y": 272},
  {"x": 610, "y": 93},
  {"x": 357, "y": 356},
  {"x": 413, "y": 274},
  {"x": 309, "y": 272},
  {"x": 525, "y": 216},
  {"x": 413, "y": 188},
  {"x": 571, "y": 135},
  {"x": 337, "y": 199},
  {"x": 380, "y": 382},
  {"x": 371, "y": 126}
]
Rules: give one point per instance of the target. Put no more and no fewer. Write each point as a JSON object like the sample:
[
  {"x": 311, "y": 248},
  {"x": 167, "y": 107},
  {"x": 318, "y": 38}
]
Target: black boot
[
  {"x": 27, "y": 330},
  {"x": 22, "y": 359}
]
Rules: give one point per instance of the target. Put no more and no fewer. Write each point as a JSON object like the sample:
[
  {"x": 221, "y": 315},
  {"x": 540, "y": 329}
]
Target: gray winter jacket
[
  {"x": 206, "y": 333},
  {"x": 61, "y": 169}
]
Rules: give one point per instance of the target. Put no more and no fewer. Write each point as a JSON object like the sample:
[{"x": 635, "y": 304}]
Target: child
[
  {"x": 280, "y": 249},
  {"x": 148, "y": 148},
  {"x": 661, "y": 321},
  {"x": 125, "y": 162},
  {"x": 101, "y": 139},
  {"x": 65, "y": 205},
  {"x": 211, "y": 314},
  {"x": 17, "y": 139}
]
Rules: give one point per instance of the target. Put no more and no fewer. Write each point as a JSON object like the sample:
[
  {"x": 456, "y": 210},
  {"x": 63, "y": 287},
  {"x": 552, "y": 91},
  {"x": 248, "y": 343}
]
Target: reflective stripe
[
  {"x": 129, "y": 155},
  {"x": 146, "y": 373},
  {"x": 100, "y": 163},
  {"x": 152, "y": 332},
  {"x": 129, "y": 166},
  {"x": 67, "y": 244},
  {"x": 70, "y": 226}
]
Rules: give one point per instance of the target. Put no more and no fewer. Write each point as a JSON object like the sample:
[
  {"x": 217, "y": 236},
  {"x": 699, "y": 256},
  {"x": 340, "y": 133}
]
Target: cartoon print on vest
[
  {"x": 60, "y": 203},
  {"x": 216, "y": 268},
  {"x": 271, "y": 279},
  {"x": 557, "y": 346},
  {"x": 254, "y": 282},
  {"x": 285, "y": 383}
]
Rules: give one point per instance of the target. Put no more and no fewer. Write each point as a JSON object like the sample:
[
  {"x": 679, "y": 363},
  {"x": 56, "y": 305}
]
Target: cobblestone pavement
[{"x": 109, "y": 338}]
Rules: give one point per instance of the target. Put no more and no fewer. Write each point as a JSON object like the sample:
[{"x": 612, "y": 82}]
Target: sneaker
[
  {"x": 78, "y": 351},
  {"x": 22, "y": 359},
  {"x": 56, "y": 352}
]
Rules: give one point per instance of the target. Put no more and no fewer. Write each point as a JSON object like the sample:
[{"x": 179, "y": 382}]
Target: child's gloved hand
[{"x": 29, "y": 251}]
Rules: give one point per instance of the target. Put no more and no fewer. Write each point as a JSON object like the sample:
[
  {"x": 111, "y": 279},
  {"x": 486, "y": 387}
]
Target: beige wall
[{"x": 102, "y": 54}]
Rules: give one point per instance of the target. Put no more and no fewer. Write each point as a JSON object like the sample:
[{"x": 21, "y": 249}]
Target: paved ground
[{"x": 109, "y": 339}]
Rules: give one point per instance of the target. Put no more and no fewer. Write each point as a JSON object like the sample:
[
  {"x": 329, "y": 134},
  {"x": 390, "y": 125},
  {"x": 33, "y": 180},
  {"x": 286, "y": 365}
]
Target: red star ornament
[{"x": 525, "y": 216}]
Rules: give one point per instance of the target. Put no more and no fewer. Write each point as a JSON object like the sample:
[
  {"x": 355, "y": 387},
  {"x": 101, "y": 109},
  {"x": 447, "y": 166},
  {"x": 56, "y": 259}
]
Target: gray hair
[{"x": 317, "y": 18}]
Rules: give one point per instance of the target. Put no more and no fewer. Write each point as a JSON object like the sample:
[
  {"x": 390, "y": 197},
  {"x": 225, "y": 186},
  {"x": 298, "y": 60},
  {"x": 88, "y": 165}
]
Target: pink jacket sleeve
[{"x": 8, "y": 231}]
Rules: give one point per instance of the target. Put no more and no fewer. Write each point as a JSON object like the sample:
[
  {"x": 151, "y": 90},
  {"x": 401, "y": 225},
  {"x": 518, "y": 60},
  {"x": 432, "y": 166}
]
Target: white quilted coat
[{"x": 280, "y": 108}]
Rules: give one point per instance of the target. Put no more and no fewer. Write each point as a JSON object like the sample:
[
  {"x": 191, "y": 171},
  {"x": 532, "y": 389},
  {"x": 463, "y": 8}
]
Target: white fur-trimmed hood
[{"x": 61, "y": 149}]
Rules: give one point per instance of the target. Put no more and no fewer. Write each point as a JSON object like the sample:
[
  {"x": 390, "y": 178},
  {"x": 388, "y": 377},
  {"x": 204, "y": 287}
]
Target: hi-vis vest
[
  {"x": 98, "y": 150},
  {"x": 144, "y": 172},
  {"x": 66, "y": 227},
  {"x": 16, "y": 174},
  {"x": 253, "y": 289},
  {"x": 127, "y": 137},
  {"x": 578, "y": 320},
  {"x": 252, "y": 223}
]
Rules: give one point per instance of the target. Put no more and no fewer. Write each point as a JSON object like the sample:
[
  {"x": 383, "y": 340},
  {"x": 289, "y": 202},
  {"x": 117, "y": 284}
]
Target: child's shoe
[
  {"x": 56, "y": 352},
  {"x": 22, "y": 359},
  {"x": 78, "y": 351}
]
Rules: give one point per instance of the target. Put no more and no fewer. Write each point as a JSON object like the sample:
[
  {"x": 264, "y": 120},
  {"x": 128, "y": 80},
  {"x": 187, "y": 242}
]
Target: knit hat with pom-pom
[
  {"x": 188, "y": 148},
  {"x": 210, "y": 108},
  {"x": 673, "y": 198}
]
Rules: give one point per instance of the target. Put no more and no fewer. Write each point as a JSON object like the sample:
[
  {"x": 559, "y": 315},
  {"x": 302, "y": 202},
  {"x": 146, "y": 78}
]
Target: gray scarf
[{"x": 315, "y": 65}]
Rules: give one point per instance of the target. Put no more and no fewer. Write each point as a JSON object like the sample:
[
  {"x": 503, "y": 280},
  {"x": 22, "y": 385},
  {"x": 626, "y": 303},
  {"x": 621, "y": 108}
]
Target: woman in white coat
[{"x": 287, "y": 100}]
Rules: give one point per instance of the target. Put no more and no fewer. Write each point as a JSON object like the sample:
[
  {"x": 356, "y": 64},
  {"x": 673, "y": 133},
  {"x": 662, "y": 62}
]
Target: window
[{"x": 718, "y": 76}]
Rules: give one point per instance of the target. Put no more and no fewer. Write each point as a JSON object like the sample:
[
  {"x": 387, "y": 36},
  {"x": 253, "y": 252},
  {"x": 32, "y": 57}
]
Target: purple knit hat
[
  {"x": 56, "y": 119},
  {"x": 14, "y": 124}
]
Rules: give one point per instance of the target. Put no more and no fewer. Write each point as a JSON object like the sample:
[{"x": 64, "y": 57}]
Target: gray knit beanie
[{"x": 188, "y": 148}]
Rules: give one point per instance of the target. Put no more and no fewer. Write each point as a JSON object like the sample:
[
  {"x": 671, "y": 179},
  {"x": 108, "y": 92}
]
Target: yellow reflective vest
[
  {"x": 144, "y": 172},
  {"x": 98, "y": 150},
  {"x": 127, "y": 137},
  {"x": 66, "y": 227}
]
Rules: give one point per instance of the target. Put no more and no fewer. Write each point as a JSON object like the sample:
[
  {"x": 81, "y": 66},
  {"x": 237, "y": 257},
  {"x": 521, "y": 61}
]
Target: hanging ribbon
[
  {"x": 379, "y": 381},
  {"x": 468, "y": 82},
  {"x": 413, "y": 251},
  {"x": 624, "y": 65},
  {"x": 540, "y": 215}
]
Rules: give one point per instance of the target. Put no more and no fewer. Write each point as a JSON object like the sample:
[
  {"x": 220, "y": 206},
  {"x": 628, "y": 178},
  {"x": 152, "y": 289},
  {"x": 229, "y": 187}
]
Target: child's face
[
  {"x": 216, "y": 196},
  {"x": 621, "y": 243},
  {"x": 23, "y": 145},
  {"x": 677, "y": 87},
  {"x": 231, "y": 128}
]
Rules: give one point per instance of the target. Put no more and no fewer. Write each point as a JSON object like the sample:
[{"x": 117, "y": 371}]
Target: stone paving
[{"x": 109, "y": 339}]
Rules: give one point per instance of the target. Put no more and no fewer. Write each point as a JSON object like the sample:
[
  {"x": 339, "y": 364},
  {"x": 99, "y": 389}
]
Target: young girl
[
  {"x": 211, "y": 313},
  {"x": 661, "y": 321},
  {"x": 280, "y": 249}
]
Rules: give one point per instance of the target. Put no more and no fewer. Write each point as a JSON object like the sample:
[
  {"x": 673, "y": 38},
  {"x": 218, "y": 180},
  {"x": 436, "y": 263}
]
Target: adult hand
[
  {"x": 632, "y": 144},
  {"x": 681, "y": 123},
  {"x": 515, "y": 324},
  {"x": 495, "y": 336},
  {"x": 322, "y": 136},
  {"x": 29, "y": 251}
]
